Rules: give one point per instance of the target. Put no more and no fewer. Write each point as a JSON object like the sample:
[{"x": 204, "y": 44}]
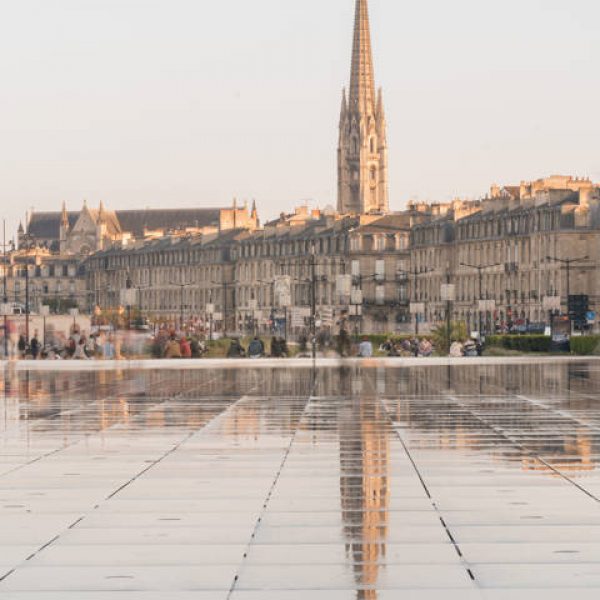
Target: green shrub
[
  {"x": 521, "y": 343},
  {"x": 587, "y": 345}
]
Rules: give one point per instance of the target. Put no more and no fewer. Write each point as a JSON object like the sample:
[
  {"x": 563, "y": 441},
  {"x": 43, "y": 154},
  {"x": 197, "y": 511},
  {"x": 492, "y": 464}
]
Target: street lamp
[
  {"x": 480, "y": 269},
  {"x": 416, "y": 273},
  {"x": 182, "y": 287},
  {"x": 568, "y": 262}
]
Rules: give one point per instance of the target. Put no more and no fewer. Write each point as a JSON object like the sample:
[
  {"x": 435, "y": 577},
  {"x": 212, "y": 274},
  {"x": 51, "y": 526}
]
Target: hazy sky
[{"x": 192, "y": 102}]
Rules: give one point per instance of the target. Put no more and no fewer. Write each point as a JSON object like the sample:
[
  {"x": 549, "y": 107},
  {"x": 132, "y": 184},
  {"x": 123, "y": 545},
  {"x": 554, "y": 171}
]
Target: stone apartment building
[
  {"x": 236, "y": 278},
  {"x": 518, "y": 239}
]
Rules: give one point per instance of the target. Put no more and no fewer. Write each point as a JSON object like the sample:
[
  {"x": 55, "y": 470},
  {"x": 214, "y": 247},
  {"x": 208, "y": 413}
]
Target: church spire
[
  {"x": 362, "y": 78},
  {"x": 362, "y": 150}
]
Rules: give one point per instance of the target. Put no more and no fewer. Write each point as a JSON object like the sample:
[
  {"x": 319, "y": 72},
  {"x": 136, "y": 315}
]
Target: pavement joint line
[
  {"x": 168, "y": 453},
  {"x": 265, "y": 506},
  {"x": 64, "y": 446},
  {"x": 563, "y": 413},
  {"x": 523, "y": 448},
  {"x": 434, "y": 505}
]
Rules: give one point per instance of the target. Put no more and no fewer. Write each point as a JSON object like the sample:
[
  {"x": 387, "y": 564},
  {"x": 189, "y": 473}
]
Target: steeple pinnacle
[
  {"x": 362, "y": 78},
  {"x": 362, "y": 149}
]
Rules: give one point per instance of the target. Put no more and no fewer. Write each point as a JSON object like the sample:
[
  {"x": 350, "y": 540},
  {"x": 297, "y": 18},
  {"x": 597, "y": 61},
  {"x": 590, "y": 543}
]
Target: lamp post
[
  {"x": 568, "y": 262},
  {"x": 182, "y": 287},
  {"x": 5, "y": 290},
  {"x": 480, "y": 269},
  {"x": 416, "y": 273},
  {"x": 28, "y": 244}
]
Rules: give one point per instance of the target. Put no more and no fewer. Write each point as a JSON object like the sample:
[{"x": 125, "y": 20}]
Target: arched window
[{"x": 372, "y": 145}]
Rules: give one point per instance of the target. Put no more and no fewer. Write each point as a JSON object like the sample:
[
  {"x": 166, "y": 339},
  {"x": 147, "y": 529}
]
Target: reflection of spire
[{"x": 364, "y": 451}]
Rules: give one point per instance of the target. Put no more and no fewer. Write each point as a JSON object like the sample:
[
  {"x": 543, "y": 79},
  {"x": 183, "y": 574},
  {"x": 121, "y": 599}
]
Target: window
[
  {"x": 355, "y": 268},
  {"x": 380, "y": 295},
  {"x": 380, "y": 243},
  {"x": 380, "y": 270}
]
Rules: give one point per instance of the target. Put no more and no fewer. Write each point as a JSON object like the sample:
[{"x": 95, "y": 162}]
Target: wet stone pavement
[{"x": 359, "y": 482}]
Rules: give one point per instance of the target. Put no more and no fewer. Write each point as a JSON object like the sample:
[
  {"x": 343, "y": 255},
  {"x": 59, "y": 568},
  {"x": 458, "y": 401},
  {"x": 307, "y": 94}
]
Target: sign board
[
  {"x": 356, "y": 296},
  {"x": 217, "y": 316},
  {"x": 128, "y": 297},
  {"x": 210, "y": 309},
  {"x": 551, "y": 303},
  {"x": 299, "y": 315},
  {"x": 285, "y": 300},
  {"x": 44, "y": 310},
  {"x": 355, "y": 310},
  {"x": 74, "y": 312},
  {"x": 6, "y": 310},
  {"x": 591, "y": 317},
  {"x": 417, "y": 308},
  {"x": 282, "y": 285},
  {"x": 343, "y": 286},
  {"x": 487, "y": 305},
  {"x": 327, "y": 315},
  {"x": 448, "y": 292}
]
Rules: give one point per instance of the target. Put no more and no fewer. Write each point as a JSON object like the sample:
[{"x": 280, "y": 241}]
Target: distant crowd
[{"x": 169, "y": 343}]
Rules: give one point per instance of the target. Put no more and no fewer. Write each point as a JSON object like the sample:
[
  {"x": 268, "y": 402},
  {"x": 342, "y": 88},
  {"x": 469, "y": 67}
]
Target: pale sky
[{"x": 192, "y": 102}]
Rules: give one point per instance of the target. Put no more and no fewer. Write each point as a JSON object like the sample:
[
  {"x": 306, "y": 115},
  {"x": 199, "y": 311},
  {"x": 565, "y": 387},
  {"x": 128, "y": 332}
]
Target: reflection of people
[{"x": 365, "y": 349}]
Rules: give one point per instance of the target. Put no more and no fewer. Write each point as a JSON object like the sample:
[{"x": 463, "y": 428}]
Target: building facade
[
  {"x": 261, "y": 280},
  {"x": 510, "y": 250}
]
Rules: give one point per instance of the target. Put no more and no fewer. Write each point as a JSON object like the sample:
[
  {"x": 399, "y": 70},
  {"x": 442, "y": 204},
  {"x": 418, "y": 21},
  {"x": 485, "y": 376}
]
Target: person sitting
[
  {"x": 283, "y": 348},
  {"x": 276, "y": 348},
  {"x": 256, "y": 348},
  {"x": 184, "y": 346},
  {"x": 425, "y": 348},
  {"x": 456, "y": 349},
  {"x": 365, "y": 349},
  {"x": 173, "y": 348},
  {"x": 236, "y": 349}
]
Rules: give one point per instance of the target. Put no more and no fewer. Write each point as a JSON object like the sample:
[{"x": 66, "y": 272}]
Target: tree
[{"x": 458, "y": 333}]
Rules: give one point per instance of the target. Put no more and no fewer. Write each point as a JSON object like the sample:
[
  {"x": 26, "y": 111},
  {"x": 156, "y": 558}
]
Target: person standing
[{"x": 35, "y": 346}]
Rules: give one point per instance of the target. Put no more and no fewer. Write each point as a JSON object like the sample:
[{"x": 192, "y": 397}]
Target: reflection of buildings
[
  {"x": 533, "y": 404},
  {"x": 364, "y": 456}
]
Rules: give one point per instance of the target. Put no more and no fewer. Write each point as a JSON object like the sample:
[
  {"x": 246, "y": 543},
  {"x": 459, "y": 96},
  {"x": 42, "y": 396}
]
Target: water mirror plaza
[{"x": 356, "y": 481}]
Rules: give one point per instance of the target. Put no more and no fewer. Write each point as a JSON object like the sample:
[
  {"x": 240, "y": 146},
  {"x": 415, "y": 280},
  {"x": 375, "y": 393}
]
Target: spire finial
[{"x": 362, "y": 78}]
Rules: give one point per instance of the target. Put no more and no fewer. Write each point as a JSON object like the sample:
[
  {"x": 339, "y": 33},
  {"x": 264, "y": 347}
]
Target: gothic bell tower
[{"x": 362, "y": 149}]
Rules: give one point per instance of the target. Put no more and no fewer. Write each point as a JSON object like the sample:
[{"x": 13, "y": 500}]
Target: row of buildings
[
  {"x": 495, "y": 262},
  {"x": 505, "y": 256}
]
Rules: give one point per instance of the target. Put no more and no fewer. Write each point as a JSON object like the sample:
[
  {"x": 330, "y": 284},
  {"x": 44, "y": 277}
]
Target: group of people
[
  {"x": 56, "y": 346},
  {"x": 471, "y": 348},
  {"x": 408, "y": 347},
  {"x": 170, "y": 344},
  {"x": 257, "y": 349}
]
